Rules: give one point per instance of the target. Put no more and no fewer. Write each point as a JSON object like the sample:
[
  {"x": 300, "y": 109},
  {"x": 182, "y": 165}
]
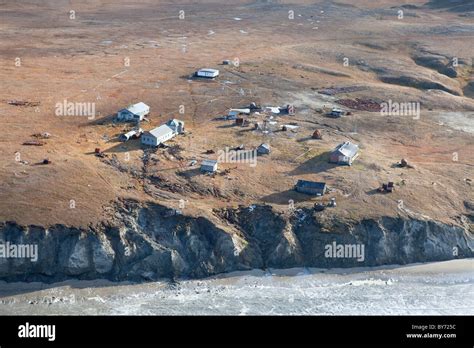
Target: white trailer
[
  {"x": 132, "y": 134},
  {"x": 208, "y": 73}
]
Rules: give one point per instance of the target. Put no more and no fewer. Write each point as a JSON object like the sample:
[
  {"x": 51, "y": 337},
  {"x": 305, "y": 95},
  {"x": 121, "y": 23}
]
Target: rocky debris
[
  {"x": 168, "y": 188},
  {"x": 114, "y": 162},
  {"x": 175, "y": 151},
  {"x": 166, "y": 184}
]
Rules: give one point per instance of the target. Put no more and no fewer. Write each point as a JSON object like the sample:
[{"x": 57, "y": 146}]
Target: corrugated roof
[
  {"x": 212, "y": 71},
  {"x": 209, "y": 162},
  {"x": 160, "y": 131},
  {"x": 138, "y": 108},
  {"x": 311, "y": 184},
  {"x": 348, "y": 149}
]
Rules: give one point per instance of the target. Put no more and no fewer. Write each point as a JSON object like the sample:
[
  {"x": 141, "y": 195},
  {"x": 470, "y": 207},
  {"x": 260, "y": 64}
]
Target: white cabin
[
  {"x": 135, "y": 112},
  {"x": 157, "y": 135},
  {"x": 209, "y": 166}
]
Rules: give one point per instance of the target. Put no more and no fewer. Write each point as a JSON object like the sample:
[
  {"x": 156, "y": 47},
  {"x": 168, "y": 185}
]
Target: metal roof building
[
  {"x": 344, "y": 153},
  {"x": 134, "y": 112},
  {"x": 139, "y": 108},
  {"x": 157, "y": 135},
  {"x": 211, "y": 73},
  {"x": 209, "y": 165},
  {"x": 311, "y": 187},
  {"x": 263, "y": 149}
]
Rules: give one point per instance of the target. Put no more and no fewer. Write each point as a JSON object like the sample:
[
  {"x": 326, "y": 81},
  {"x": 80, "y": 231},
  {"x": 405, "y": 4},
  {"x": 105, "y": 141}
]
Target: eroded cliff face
[{"x": 145, "y": 242}]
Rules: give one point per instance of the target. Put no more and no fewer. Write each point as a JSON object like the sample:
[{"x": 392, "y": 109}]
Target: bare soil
[{"x": 281, "y": 61}]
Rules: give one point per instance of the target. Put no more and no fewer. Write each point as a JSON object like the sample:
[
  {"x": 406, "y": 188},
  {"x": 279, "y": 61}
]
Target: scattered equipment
[
  {"x": 99, "y": 153},
  {"x": 319, "y": 207},
  {"x": 44, "y": 135},
  {"x": 386, "y": 188}
]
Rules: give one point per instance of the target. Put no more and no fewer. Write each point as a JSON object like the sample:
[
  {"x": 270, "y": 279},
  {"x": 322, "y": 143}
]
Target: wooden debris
[
  {"x": 23, "y": 103},
  {"x": 34, "y": 143},
  {"x": 44, "y": 135}
]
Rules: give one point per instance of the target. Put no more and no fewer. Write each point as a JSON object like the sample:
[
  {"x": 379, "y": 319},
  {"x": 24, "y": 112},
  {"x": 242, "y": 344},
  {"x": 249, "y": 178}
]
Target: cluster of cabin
[
  {"x": 154, "y": 137},
  {"x": 165, "y": 132},
  {"x": 343, "y": 154},
  {"x": 159, "y": 135}
]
